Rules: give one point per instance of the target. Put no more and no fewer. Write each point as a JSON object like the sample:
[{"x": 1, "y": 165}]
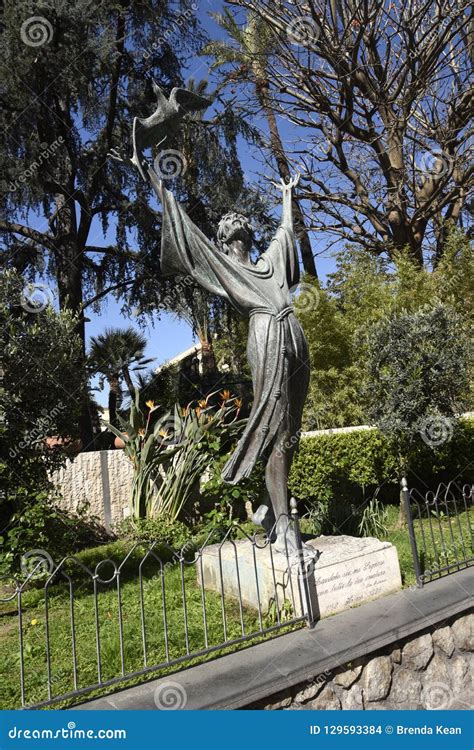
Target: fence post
[
  {"x": 405, "y": 497},
  {"x": 305, "y": 571}
]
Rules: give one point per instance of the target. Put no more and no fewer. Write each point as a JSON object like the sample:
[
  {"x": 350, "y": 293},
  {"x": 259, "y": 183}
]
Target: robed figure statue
[{"x": 277, "y": 349}]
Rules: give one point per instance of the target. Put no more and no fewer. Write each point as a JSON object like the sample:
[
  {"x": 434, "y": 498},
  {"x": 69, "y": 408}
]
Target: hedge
[{"x": 337, "y": 473}]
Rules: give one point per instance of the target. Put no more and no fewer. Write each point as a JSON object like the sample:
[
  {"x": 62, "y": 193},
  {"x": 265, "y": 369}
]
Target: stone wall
[
  {"x": 99, "y": 481},
  {"x": 432, "y": 670}
]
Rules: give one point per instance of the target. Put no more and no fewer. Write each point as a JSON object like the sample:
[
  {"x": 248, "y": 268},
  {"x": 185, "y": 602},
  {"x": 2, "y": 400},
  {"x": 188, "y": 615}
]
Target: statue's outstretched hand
[
  {"x": 117, "y": 156},
  {"x": 287, "y": 186},
  {"x": 135, "y": 162}
]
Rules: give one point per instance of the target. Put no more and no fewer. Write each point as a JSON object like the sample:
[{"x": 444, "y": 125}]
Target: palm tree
[
  {"x": 248, "y": 48},
  {"x": 114, "y": 355}
]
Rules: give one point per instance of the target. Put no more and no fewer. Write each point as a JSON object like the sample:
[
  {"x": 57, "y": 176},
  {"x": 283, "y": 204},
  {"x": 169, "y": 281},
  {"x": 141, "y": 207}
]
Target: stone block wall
[
  {"x": 431, "y": 670},
  {"x": 100, "y": 481}
]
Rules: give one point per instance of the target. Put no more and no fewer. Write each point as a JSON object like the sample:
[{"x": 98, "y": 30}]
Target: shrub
[
  {"x": 417, "y": 381},
  {"x": 336, "y": 475},
  {"x": 174, "y": 533},
  {"x": 170, "y": 452},
  {"x": 36, "y": 523},
  {"x": 41, "y": 389},
  {"x": 217, "y": 492},
  {"x": 374, "y": 519}
]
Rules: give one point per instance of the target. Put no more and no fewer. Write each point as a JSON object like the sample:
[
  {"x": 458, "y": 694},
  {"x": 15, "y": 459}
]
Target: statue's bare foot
[
  {"x": 264, "y": 517},
  {"x": 286, "y": 544}
]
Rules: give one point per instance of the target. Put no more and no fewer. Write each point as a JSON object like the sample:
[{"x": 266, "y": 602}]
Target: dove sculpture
[{"x": 154, "y": 130}]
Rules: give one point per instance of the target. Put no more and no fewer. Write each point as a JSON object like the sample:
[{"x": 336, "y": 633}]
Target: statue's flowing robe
[{"x": 277, "y": 349}]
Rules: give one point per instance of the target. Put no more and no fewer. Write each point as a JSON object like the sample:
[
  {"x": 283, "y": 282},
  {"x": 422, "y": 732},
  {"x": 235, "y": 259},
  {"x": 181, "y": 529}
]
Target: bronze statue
[{"x": 277, "y": 349}]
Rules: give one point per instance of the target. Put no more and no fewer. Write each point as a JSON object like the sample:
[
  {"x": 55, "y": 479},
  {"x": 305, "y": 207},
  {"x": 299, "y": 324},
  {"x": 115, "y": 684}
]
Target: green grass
[
  {"x": 60, "y": 639},
  {"x": 457, "y": 541},
  {"x": 34, "y": 619}
]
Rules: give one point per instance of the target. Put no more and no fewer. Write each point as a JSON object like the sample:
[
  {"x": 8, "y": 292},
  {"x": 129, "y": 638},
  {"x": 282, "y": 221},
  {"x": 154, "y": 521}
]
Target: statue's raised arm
[{"x": 282, "y": 252}]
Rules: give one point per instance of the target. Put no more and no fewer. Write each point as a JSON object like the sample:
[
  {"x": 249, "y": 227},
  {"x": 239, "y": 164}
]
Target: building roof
[{"x": 179, "y": 358}]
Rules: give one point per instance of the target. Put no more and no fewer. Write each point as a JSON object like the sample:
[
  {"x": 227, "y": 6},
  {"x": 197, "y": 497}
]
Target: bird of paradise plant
[{"x": 170, "y": 452}]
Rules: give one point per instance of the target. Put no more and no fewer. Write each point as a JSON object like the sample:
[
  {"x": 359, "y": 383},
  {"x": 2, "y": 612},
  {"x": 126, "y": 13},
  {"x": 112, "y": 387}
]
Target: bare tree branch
[{"x": 380, "y": 94}]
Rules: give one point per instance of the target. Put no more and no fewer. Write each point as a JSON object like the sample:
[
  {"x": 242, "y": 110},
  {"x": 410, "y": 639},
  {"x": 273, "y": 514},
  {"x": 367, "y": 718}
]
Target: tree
[
  {"x": 368, "y": 287},
  {"x": 40, "y": 393},
  {"x": 114, "y": 354},
  {"x": 380, "y": 94},
  {"x": 62, "y": 125},
  {"x": 76, "y": 72},
  {"x": 333, "y": 399},
  {"x": 417, "y": 377},
  {"x": 247, "y": 53},
  {"x": 363, "y": 291}
]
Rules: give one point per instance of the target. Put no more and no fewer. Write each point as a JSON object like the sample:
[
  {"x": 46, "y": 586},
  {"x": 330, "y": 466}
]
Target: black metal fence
[
  {"x": 81, "y": 628},
  {"x": 440, "y": 526}
]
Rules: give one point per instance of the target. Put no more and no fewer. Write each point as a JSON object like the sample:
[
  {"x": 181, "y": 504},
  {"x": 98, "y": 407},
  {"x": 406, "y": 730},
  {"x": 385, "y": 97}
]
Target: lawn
[
  {"x": 157, "y": 650},
  {"x": 457, "y": 539}
]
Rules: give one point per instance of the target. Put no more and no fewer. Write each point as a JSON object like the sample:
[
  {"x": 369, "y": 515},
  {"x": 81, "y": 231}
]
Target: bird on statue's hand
[{"x": 164, "y": 121}]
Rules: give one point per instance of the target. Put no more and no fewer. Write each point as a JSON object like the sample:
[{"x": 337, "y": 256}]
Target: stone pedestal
[{"x": 349, "y": 571}]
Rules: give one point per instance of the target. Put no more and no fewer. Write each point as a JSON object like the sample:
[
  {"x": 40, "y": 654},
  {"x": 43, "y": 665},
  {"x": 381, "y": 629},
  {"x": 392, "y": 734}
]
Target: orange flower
[
  {"x": 164, "y": 434},
  {"x": 141, "y": 432},
  {"x": 198, "y": 410},
  {"x": 202, "y": 403},
  {"x": 184, "y": 411},
  {"x": 225, "y": 395},
  {"x": 238, "y": 402},
  {"x": 150, "y": 404}
]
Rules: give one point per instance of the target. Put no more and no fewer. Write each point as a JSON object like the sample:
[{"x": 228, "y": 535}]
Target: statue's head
[{"x": 233, "y": 227}]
